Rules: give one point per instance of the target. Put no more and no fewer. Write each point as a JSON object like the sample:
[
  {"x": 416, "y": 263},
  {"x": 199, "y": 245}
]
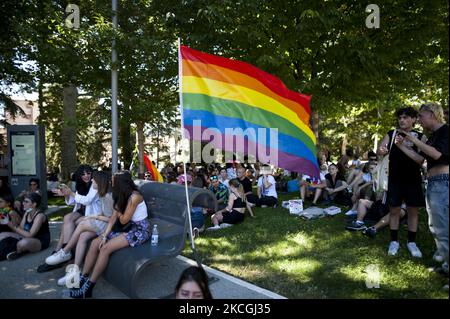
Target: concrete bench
[{"x": 166, "y": 204}]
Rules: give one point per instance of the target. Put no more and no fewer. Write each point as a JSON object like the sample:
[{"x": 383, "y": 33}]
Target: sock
[
  {"x": 411, "y": 236},
  {"x": 394, "y": 234}
]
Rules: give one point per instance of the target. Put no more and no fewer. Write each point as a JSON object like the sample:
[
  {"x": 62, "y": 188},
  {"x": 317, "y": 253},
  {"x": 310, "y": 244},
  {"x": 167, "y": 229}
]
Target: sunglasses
[{"x": 214, "y": 178}]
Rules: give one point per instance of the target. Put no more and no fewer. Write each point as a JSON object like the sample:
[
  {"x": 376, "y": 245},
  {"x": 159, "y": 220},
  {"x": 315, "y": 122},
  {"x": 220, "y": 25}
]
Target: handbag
[
  {"x": 382, "y": 170},
  {"x": 120, "y": 228}
]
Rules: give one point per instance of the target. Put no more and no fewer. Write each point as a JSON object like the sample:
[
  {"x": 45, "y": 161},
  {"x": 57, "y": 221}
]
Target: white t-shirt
[
  {"x": 367, "y": 177},
  {"x": 231, "y": 172},
  {"x": 271, "y": 191},
  {"x": 225, "y": 182}
]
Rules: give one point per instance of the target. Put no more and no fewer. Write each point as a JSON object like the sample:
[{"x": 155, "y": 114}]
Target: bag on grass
[
  {"x": 295, "y": 206},
  {"x": 313, "y": 213}
]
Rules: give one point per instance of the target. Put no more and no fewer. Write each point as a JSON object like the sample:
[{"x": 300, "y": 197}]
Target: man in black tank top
[{"x": 404, "y": 182}]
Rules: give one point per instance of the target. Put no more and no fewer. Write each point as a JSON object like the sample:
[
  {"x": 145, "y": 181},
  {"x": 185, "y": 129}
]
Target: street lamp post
[{"x": 114, "y": 90}]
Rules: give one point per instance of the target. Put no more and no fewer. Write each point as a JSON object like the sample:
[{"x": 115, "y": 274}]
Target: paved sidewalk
[{"x": 19, "y": 279}]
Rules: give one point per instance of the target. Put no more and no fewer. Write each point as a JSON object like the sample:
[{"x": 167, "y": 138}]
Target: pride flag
[
  {"x": 152, "y": 169},
  {"x": 218, "y": 94}
]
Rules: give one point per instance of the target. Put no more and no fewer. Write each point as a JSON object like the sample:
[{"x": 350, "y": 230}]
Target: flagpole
[{"x": 188, "y": 204}]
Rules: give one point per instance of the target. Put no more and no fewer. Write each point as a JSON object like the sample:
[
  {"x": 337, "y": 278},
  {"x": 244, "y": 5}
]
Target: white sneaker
[
  {"x": 393, "y": 248},
  {"x": 213, "y": 228},
  {"x": 351, "y": 213},
  {"x": 414, "y": 250},
  {"x": 62, "y": 280},
  {"x": 71, "y": 273},
  {"x": 59, "y": 257},
  {"x": 437, "y": 257},
  {"x": 225, "y": 225}
]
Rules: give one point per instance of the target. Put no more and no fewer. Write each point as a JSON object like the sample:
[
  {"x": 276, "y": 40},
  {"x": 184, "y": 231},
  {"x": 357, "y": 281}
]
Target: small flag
[{"x": 152, "y": 169}]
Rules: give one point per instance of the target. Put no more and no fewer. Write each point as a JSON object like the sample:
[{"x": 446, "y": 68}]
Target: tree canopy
[{"x": 357, "y": 76}]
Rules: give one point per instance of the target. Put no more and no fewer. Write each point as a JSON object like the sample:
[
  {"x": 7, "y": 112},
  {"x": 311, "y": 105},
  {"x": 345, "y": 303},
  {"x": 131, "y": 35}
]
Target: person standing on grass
[
  {"x": 435, "y": 152},
  {"x": 404, "y": 181}
]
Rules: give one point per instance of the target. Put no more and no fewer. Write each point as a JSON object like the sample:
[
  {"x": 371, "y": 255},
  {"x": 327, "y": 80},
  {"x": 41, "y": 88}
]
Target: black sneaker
[
  {"x": 46, "y": 267},
  {"x": 439, "y": 270},
  {"x": 370, "y": 232},
  {"x": 14, "y": 255},
  {"x": 356, "y": 225},
  {"x": 84, "y": 292}
]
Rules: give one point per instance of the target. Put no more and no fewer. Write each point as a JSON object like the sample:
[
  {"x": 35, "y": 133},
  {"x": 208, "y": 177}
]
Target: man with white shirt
[
  {"x": 267, "y": 193},
  {"x": 223, "y": 177}
]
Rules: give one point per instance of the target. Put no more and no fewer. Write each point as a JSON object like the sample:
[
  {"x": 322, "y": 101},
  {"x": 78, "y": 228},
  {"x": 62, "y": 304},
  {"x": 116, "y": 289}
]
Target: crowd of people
[{"x": 109, "y": 212}]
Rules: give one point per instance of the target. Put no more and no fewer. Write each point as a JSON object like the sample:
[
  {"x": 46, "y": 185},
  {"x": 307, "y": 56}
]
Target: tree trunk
[
  {"x": 344, "y": 144},
  {"x": 69, "y": 161},
  {"x": 127, "y": 142},
  {"x": 141, "y": 149},
  {"x": 315, "y": 124},
  {"x": 375, "y": 143}
]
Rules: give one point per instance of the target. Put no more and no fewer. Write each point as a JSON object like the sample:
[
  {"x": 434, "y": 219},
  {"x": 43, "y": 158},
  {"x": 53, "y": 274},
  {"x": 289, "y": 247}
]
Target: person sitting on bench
[{"x": 131, "y": 228}]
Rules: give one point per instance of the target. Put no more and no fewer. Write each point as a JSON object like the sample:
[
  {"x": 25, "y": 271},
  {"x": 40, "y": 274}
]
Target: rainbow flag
[
  {"x": 219, "y": 95},
  {"x": 152, "y": 169}
]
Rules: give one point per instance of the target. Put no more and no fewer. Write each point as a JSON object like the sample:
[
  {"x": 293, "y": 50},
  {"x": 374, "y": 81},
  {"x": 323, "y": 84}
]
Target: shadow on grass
[{"x": 318, "y": 258}]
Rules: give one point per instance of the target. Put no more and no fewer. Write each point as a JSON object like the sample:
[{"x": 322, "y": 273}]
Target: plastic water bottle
[{"x": 155, "y": 236}]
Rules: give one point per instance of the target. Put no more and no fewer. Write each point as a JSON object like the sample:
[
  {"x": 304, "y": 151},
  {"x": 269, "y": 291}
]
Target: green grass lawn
[{"x": 319, "y": 258}]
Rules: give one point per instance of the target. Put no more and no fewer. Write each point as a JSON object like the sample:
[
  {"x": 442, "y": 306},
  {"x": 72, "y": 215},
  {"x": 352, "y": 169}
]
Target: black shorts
[
  {"x": 377, "y": 211},
  {"x": 45, "y": 241},
  {"x": 233, "y": 217},
  {"x": 410, "y": 193}
]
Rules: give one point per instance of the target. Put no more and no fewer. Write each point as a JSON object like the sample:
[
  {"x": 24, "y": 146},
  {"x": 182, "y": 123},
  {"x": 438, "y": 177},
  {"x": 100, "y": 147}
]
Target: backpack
[{"x": 7, "y": 245}]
